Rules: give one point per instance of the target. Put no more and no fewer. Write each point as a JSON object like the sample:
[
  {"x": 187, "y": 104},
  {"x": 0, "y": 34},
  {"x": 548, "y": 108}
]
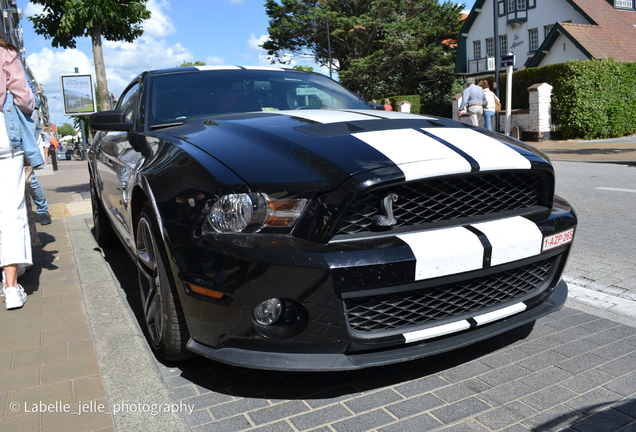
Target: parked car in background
[{"x": 279, "y": 222}]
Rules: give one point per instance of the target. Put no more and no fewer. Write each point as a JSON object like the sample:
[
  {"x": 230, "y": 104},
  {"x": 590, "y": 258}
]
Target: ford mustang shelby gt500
[{"x": 278, "y": 221}]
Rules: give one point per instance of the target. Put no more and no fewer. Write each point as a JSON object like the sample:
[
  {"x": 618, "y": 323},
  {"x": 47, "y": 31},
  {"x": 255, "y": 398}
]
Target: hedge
[
  {"x": 395, "y": 100},
  {"x": 590, "y": 100}
]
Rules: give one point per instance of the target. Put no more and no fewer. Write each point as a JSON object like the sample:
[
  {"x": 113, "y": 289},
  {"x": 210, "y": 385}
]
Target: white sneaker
[{"x": 14, "y": 297}]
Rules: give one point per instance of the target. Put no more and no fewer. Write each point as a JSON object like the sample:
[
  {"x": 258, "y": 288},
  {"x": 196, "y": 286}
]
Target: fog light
[{"x": 268, "y": 312}]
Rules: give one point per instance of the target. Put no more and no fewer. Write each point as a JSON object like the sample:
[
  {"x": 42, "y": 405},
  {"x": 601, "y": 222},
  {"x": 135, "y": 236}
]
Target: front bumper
[
  {"x": 343, "y": 361},
  {"x": 326, "y": 281}
]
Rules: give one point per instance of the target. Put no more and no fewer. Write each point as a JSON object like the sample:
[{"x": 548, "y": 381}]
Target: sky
[{"x": 216, "y": 32}]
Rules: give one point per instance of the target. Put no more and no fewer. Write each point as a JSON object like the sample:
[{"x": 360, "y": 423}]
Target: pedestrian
[
  {"x": 473, "y": 99},
  {"x": 39, "y": 199},
  {"x": 15, "y": 239},
  {"x": 491, "y": 103},
  {"x": 54, "y": 144},
  {"x": 45, "y": 141},
  {"x": 387, "y": 105}
]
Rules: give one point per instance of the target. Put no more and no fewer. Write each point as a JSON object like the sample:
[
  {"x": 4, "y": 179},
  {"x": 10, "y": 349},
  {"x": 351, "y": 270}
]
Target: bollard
[{"x": 53, "y": 154}]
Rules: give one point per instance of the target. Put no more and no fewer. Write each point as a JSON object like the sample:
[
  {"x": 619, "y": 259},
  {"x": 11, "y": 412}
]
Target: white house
[{"x": 542, "y": 32}]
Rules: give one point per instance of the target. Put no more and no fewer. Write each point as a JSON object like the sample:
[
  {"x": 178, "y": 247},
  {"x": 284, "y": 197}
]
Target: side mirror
[{"x": 113, "y": 120}]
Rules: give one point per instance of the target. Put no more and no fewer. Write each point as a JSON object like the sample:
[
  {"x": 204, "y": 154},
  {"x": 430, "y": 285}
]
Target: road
[
  {"x": 604, "y": 251},
  {"x": 574, "y": 371}
]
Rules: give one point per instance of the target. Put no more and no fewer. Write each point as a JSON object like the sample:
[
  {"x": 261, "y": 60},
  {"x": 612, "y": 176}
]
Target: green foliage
[
  {"x": 378, "y": 46},
  {"x": 196, "y": 63},
  {"x": 524, "y": 78},
  {"x": 395, "y": 100},
  {"x": 596, "y": 100},
  {"x": 65, "y": 20},
  {"x": 66, "y": 129},
  {"x": 303, "y": 68},
  {"x": 590, "y": 100}
]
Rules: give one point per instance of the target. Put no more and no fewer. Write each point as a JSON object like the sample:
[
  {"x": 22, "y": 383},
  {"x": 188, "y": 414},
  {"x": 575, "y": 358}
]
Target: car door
[{"x": 116, "y": 161}]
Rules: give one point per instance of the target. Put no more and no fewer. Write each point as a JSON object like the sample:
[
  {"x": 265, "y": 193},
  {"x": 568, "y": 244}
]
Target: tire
[
  {"x": 77, "y": 154},
  {"x": 165, "y": 324},
  {"x": 104, "y": 232}
]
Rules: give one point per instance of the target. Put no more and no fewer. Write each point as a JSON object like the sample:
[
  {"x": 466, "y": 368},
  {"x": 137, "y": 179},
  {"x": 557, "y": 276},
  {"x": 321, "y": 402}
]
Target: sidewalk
[
  {"x": 77, "y": 345},
  {"x": 67, "y": 362},
  {"x": 47, "y": 354},
  {"x": 614, "y": 150}
]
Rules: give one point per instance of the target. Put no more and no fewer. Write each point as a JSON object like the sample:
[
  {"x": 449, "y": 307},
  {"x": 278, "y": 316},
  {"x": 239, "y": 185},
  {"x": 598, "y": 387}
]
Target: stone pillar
[
  {"x": 540, "y": 113},
  {"x": 457, "y": 100}
]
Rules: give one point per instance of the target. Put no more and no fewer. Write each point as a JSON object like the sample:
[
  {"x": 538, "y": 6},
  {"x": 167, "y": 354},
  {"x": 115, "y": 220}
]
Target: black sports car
[{"x": 278, "y": 221}]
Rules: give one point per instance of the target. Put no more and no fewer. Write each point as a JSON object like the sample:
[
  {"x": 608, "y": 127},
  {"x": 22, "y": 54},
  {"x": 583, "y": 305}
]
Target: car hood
[{"x": 314, "y": 147}]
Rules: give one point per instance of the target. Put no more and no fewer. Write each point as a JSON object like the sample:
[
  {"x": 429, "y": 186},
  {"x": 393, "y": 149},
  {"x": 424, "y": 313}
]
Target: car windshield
[{"x": 177, "y": 97}]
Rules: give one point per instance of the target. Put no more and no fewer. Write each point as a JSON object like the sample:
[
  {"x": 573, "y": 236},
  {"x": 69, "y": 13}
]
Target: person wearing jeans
[
  {"x": 15, "y": 239},
  {"x": 37, "y": 194},
  {"x": 489, "y": 109}
]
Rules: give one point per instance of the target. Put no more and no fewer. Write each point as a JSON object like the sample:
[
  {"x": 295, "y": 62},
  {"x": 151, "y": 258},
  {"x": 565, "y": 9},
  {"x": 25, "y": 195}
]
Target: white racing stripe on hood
[
  {"x": 511, "y": 239},
  {"x": 400, "y": 115},
  {"x": 330, "y": 116},
  {"x": 417, "y": 155},
  {"x": 488, "y": 152}
]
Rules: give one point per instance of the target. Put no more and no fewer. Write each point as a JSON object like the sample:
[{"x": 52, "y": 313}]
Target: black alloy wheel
[{"x": 164, "y": 319}]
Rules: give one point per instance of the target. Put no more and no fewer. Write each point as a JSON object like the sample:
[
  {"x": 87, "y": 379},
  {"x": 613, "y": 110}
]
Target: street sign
[{"x": 507, "y": 60}]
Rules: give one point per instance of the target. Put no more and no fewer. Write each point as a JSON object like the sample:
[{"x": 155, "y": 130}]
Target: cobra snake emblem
[{"x": 387, "y": 219}]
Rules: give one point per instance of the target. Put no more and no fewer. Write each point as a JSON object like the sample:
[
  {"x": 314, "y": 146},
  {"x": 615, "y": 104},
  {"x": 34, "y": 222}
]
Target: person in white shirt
[{"x": 489, "y": 109}]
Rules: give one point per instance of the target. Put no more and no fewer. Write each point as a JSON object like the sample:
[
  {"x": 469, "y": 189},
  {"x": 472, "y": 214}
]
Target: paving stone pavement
[{"x": 574, "y": 370}]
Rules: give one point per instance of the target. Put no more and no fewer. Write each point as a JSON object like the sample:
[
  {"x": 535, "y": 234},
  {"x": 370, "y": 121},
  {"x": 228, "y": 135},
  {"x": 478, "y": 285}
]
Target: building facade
[
  {"x": 542, "y": 32},
  {"x": 12, "y": 32}
]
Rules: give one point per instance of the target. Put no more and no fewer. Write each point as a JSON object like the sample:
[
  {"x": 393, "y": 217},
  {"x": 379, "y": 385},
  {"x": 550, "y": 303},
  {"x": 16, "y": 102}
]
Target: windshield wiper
[{"x": 167, "y": 125}]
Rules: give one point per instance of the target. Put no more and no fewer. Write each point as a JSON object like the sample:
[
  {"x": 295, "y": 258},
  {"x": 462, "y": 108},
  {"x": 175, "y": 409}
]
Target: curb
[
  {"x": 602, "y": 304},
  {"x": 129, "y": 371}
]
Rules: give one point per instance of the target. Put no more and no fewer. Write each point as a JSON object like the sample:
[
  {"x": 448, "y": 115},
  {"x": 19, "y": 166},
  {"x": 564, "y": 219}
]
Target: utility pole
[
  {"x": 495, "y": 19},
  {"x": 83, "y": 130}
]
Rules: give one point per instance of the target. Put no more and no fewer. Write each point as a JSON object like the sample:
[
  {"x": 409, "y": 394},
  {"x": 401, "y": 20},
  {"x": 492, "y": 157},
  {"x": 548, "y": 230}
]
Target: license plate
[{"x": 557, "y": 240}]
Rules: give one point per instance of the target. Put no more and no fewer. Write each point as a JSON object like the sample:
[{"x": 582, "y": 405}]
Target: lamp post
[
  {"x": 495, "y": 17},
  {"x": 54, "y": 154},
  {"x": 54, "y": 116},
  {"x": 314, "y": 28}
]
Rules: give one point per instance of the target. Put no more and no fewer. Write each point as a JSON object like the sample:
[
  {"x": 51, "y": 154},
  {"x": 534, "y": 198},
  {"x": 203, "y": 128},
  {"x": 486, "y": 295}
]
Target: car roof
[{"x": 218, "y": 67}]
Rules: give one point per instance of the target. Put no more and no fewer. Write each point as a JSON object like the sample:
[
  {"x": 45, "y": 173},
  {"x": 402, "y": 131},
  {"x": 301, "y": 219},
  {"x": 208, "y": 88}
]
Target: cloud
[
  {"x": 33, "y": 9},
  {"x": 125, "y": 60},
  {"x": 159, "y": 25},
  {"x": 237, "y": 1},
  {"x": 47, "y": 65},
  {"x": 254, "y": 43},
  {"x": 214, "y": 60}
]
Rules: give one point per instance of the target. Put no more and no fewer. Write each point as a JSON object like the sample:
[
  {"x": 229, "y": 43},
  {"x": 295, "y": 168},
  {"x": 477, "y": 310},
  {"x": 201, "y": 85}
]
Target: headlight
[{"x": 235, "y": 213}]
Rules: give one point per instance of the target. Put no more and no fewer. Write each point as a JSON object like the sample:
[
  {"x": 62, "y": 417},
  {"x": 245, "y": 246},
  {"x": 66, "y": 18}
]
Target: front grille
[
  {"x": 411, "y": 308},
  {"x": 439, "y": 199}
]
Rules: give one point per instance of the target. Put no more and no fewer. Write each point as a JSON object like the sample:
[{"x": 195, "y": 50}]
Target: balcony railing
[{"x": 484, "y": 64}]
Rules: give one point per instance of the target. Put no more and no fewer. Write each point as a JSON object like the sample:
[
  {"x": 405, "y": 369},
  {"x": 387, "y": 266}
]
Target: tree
[
  {"x": 303, "y": 68},
  {"x": 196, "y": 63},
  {"x": 66, "y": 129},
  {"x": 380, "y": 47},
  {"x": 65, "y": 20}
]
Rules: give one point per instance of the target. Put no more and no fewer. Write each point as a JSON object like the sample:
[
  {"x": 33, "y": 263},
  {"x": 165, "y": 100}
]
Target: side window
[{"x": 128, "y": 102}]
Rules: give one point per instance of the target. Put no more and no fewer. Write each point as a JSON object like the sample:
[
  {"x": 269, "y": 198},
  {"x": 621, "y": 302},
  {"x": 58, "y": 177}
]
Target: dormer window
[
  {"x": 515, "y": 11},
  {"x": 624, "y": 4}
]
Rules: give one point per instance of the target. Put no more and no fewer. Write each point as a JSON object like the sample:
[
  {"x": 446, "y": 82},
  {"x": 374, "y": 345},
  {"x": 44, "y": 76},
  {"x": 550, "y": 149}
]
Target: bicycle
[{"x": 77, "y": 152}]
